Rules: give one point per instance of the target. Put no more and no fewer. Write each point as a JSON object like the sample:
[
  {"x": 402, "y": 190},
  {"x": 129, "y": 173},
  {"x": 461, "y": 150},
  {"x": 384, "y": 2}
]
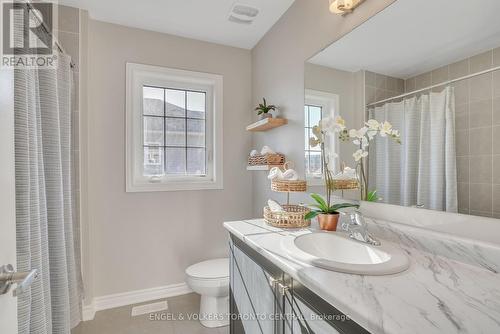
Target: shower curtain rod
[
  {"x": 47, "y": 31},
  {"x": 436, "y": 85}
]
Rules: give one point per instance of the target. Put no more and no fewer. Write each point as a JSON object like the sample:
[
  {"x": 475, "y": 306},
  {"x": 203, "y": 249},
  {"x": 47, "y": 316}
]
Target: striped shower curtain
[
  {"x": 422, "y": 170},
  {"x": 47, "y": 228}
]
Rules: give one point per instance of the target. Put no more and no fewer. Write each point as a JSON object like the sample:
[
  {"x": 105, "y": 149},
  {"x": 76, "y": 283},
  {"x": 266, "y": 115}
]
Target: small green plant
[
  {"x": 323, "y": 208},
  {"x": 373, "y": 196},
  {"x": 263, "y": 108}
]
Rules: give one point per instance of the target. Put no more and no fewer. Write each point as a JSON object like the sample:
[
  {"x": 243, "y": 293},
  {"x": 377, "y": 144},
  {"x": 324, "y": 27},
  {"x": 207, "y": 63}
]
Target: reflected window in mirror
[
  {"x": 313, "y": 159},
  {"x": 317, "y": 106}
]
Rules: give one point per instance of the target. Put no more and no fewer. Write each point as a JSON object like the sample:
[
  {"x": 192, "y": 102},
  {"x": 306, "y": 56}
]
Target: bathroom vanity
[
  {"x": 271, "y": 292},
  {"x": 266, "y": 299}
]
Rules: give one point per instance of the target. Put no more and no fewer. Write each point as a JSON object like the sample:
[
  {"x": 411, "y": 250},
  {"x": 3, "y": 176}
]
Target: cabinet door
[
  {"x": 311, "y": 314},
  {"x": 254, "y": 295},
  {"x": 303, "y": 319}
]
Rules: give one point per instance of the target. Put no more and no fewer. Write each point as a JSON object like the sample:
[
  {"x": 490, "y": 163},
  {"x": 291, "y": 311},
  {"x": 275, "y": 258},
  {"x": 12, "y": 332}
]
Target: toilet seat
[
  {"x": 209, "y": 270},
  {"x": 210, "y": 279}
]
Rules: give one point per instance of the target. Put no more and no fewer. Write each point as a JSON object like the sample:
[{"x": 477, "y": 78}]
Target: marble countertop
[{"x": 435, "y": 295}]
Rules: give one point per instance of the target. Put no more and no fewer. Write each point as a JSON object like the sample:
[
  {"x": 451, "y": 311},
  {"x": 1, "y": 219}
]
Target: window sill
[{"x": 174, "y": 186}]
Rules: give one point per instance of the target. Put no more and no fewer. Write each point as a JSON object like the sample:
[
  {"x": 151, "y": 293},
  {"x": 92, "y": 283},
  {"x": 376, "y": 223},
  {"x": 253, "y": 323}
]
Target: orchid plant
[
  {"x": 321, "y": 133},
  {"x": 359, "y": 137}
]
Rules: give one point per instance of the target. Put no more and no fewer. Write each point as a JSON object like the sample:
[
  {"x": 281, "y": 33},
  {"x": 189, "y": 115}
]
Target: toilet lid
[{"x": 217, "y": 268}]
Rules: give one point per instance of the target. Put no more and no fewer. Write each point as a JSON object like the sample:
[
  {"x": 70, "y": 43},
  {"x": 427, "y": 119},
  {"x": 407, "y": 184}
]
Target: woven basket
[
  {"x": 292, "y": 218},
  {"x": 276, "y": 159},
  {"x": 344, "y": 184},
  {"x": 288, "y": 186}
]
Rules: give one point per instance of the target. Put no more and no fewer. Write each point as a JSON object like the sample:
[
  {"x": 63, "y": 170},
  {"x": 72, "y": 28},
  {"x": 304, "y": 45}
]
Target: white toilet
[{"x": 210, "y": 279}]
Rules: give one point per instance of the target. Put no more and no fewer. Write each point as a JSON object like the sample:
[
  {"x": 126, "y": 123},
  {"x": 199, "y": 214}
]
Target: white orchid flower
[
  {"x": 373, "y": 124},
  {"x": 316, "y": 130},
  {"x": 313, "y": 142},
  {"x": 339, "y": 124},
  {"x": 359, "y": 154},
  {"x": 395, "y": 133},
  {"x": 358, "y": 133},
  {"x": 327, "y": 124},
  {"x": 385, "y": 129},
  {"x": 371, "y": 134},
  {"x": 363, "y": 142}
]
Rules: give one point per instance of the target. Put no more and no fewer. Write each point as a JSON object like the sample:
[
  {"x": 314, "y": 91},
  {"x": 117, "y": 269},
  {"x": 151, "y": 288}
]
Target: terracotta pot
[{"x": 328, "y": 222}]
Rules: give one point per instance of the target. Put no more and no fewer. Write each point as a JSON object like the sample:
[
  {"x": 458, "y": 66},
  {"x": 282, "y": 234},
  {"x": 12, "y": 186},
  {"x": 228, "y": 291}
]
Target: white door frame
[{"x": 8, "y": 303}]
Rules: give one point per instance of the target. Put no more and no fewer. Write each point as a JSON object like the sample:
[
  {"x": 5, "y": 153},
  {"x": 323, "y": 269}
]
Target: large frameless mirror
[{"x": 429, "y": 81}]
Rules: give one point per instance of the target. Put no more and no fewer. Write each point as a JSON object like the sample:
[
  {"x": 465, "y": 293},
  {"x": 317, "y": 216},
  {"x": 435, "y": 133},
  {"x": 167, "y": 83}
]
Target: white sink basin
[{"x": 337, "y": 252}]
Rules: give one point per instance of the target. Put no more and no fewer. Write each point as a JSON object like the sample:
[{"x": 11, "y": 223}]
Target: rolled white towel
[
  {"x": 253, "y": 153},
  {"x": 275, "y": 173},
  {"x": 274, "y": 206},
  {"x": 347, "y": 174},
  {"x": 290, "y": 175},
  {"x": 266, "y": 150}
]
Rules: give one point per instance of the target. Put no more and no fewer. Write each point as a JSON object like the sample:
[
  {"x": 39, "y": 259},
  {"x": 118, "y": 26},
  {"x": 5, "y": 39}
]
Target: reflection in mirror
[{"x": 438, "y": 85}]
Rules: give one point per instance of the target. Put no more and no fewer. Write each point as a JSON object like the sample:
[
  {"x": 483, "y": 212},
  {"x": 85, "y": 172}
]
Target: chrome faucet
[{"x": 356, "y": 228}]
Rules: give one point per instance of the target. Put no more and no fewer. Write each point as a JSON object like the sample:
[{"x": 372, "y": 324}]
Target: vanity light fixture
[{"x": 344, "y": 7}]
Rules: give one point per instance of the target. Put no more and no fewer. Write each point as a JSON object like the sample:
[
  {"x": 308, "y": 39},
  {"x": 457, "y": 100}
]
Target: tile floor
[{"x": 120, "y": 321}]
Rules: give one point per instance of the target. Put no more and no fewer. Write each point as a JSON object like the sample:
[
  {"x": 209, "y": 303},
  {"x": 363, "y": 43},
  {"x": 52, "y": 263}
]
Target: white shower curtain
[
  {"x": 47, "y": 230},
  {"x": 422, "y": 170}
]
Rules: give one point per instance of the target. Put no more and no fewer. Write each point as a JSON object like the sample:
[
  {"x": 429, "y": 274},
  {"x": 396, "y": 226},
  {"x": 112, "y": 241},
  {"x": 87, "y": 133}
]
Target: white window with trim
[
  {"x": 174, "y": 129},
  {"x": 317, "y": 106}
]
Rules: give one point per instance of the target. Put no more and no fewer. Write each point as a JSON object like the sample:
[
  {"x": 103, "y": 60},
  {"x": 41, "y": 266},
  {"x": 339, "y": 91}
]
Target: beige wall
[
  {"x": 141, "y": 240},
  {"x": 144, "y": 240},
  {"x": 278, "y": 74}
]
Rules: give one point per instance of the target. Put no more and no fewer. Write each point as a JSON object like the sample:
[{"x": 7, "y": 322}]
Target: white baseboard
[
  {"x": 88, "y": 312},
  {"x": 133, "y": 297}
]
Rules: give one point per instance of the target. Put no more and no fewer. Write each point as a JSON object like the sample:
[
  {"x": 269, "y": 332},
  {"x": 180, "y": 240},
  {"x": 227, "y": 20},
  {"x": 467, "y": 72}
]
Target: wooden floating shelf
[
  {"x": 263, "y": 167},
  {"x": 267, "y": 124}
]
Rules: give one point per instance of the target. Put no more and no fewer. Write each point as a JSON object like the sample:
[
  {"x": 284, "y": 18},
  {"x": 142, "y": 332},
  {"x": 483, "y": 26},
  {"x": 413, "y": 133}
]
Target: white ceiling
[
  {"x": 413, "y": 36},
  {"x": 205, "y": 20}
]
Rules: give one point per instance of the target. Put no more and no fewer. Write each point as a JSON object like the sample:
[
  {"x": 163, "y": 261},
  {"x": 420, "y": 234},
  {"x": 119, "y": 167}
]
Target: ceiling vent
[{"x": 243, "y": 14}]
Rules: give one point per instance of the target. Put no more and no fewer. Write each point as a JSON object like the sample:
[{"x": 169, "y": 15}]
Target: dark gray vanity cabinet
[
  {"x": 265, "y": 300},
  {"x": 254, "y": 297}
]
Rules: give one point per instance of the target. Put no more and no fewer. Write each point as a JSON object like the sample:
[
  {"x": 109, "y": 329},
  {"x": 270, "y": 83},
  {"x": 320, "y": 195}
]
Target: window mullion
[
  {"x": 206, "y": 120},
  {"x": 308, "y": 142},
  {"x": 186, "y": 133},
  {"x": 321, "y": 154},
  {"x": 164, "y": 132}
]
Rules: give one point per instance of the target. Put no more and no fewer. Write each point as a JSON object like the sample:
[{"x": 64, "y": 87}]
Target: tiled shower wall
[
  {"x": 68, "y": 34},
  {"x": 380, "y": 87},
  {"x": 477, "y": 129},
  {"x": 477, "y": 125}
]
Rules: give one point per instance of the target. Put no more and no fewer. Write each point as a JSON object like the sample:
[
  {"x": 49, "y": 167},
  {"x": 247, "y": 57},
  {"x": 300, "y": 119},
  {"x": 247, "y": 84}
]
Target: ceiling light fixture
[
  {"x": 242, "y": 14},
  {"x": 344, "y": 7}
]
